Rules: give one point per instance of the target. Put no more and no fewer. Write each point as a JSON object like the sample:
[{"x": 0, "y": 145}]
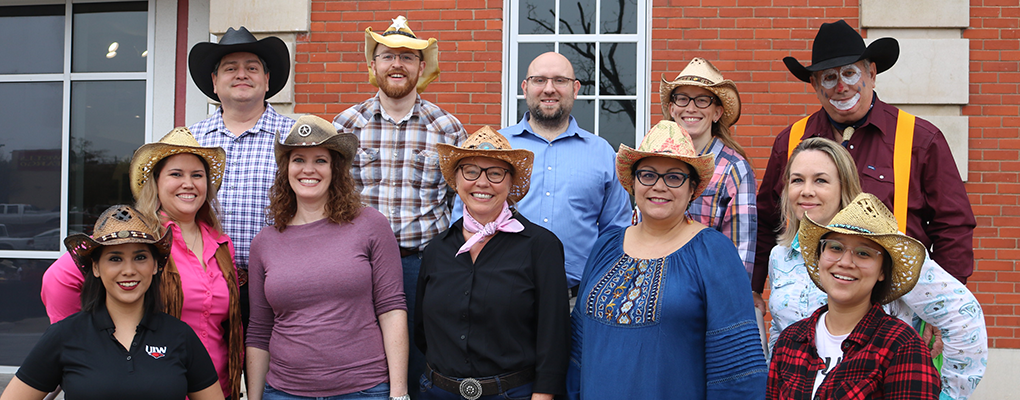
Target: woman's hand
[
  {"x": 932, "y": 337},
  {"x": 759, "y": 302},
  {"x": 541, "y": 396}
]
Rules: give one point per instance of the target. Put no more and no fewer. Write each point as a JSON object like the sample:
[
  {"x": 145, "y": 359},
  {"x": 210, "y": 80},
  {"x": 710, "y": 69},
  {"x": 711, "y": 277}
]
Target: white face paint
[
  {"x": 849, "y": 74},
  {"x": 843, "y": 105}
]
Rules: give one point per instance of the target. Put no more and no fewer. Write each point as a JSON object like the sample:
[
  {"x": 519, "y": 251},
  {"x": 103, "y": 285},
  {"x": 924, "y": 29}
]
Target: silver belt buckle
[{"x": 470, "y": 388}]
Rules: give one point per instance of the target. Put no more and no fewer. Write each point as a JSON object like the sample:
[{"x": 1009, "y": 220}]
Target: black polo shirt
[{"x": 80, "y": 353}]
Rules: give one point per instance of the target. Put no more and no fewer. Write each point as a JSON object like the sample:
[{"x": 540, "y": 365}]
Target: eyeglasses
[
  {"x": 682, "y": 100},
  {"x": 559, "y": 81},
  {"x": 389, "y": 58},
  {"x": 472, "y": 172},
  {"x": 833, "y": 251},
  {"x": 671, "y": 179}
]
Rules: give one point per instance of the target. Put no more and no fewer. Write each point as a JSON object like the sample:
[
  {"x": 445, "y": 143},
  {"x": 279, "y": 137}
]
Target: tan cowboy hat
[
  {"x": 178, "y": 141},
  {"x": 867, "y": 217},
  {"x": 399, "y": 35},
  {"x": 119, "y": 224},
  {"x": 486, "y": 142},
  {"x": 665, "y": 139},
  {"x": 313, "y": 131},
  {"x": 701, "y": 73}
]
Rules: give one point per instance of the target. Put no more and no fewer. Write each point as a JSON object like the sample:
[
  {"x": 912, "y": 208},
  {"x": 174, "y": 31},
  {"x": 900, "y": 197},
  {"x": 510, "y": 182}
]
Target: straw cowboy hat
[
  {"x": 204, "y": 57},
  {"x": 665, "y": 139},
  {"x": 701, "y": 73},
  {"x": 313, "y": 131},
  {"x": 486, "y": 142},
  {"x": 178, "y": 141},
  {"x": 119, "y": 224},
  {"x": 399, "y": 35},
  {"x": 837, "y": 44},
  {"x": 867, "y": 217}
]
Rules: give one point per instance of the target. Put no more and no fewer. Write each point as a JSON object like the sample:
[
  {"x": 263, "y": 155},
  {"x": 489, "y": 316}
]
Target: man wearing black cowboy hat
[
  {"x": 241, "y": 73},
  {"x": 885, "y": 143}
]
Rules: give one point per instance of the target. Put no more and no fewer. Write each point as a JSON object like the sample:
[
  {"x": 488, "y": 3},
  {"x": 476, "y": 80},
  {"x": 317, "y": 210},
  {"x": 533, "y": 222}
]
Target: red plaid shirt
[{"x": 883, "y": 358}]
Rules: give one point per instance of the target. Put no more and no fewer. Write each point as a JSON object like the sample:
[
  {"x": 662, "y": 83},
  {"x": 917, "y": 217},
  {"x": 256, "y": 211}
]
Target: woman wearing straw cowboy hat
[
  {"x": 174, "y": 181},
  {"x": 120, "y": 346},
  {"x": 821, "y": 178},
  {"x": 328, "y": 318},
  {"x": 657, "y": 314},
  {"x": 491, "y": 313},
  {"x": 850, "y": 348}
]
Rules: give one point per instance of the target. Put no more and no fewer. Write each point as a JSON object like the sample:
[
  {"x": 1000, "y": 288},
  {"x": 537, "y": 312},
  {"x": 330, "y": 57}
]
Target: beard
[
  {"x": 552, "y": 119},
  {"x": 395, "y": 91}
]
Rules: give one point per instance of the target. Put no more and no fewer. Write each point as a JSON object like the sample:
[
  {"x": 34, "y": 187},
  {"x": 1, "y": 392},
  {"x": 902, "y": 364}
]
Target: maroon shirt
[{"x": 938, "y": 212}]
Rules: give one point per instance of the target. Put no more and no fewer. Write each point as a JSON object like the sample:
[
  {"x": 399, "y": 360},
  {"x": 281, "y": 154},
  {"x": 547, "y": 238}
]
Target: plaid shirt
[
  {"x": 883, "y": 358},
  {"x": 728, "y": 203},
  {"x": 397, "y": 166},
  {"x": 250, "y": 170}
]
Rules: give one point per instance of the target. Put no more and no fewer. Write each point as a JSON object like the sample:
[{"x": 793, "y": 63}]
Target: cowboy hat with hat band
[
  {"x": 701, "y": 73},
  {"x": 178, "y": 141},
  {"x": 204, "y": 56},
  {"x": 669, "y": 140},
  {"x": 486, "y": 142},
  {"x": 837, "y": 44},
  {"x": 866, "y": 216},
  {"x": 399, "y": 35},
  {"x": 119, "y": 224},
  {"x": 313, "y": 131}
]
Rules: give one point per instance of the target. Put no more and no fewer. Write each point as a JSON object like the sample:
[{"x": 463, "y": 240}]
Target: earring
[{"x": 634, "y": 217}]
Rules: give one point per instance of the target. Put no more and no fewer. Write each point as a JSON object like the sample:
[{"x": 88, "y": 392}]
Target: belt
[
  {"x": 405, "y": 251},
  {"x": 472, "y": 388}
]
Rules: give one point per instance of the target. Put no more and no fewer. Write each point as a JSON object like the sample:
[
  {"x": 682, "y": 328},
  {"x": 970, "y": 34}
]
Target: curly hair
[{"x": 343, "y": 202}]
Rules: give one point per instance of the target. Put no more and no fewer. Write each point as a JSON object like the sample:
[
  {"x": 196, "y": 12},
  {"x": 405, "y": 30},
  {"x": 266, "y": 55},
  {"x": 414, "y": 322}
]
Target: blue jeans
[
  {"x": 378, "y": 392},
  {"x": 430, "y": 392},
  {"x": 415, "y": 358}
]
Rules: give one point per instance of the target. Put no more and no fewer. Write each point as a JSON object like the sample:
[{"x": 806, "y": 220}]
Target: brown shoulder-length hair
[
  {"x": 849, "y": 182},
  {"x": 343, "y": 202},
  {"x": 149, "y": 206}
]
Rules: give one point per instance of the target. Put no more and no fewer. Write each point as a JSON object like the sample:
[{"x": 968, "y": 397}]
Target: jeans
[
  {"x": 415, "y": 359},
  {"x": 378, "y": 392},
  {"x": 430, "y": 392}
]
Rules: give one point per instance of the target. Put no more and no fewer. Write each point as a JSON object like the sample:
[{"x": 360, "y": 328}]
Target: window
[
  {"x": 75, "y": 102},
  {"x": 606, "y": 41}
]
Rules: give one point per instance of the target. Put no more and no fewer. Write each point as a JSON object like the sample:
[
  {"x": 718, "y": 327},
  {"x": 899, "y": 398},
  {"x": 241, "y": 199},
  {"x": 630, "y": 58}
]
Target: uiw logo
[{"x": 155, "y": 352}]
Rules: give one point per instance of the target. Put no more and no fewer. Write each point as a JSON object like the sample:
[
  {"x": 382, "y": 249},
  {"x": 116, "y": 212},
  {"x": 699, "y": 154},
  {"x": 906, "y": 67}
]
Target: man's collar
[
  {"x": 859, "y": 123},
  {"x": 377, "y": 109},
  {"x": 572, "y": 128}
]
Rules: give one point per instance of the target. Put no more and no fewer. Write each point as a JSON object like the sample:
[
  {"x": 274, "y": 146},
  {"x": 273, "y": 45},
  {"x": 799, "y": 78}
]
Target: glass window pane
[
  {"x": 576, "y": 16},
  {"x": 107, "y": 125},
  {"x": 109, "y": 37},
  {"x": 619, "y": 16},
  {"x": 36, "y": 35},
  {"x": 617, "y": 122},
  {"x": 584, "y": 113},
  {"x": 582, "y": 56},
  {"x": 29, "y": 162},
  {"x": 536, "y": 17},
  {"x": 22, "y": 316},
  {"x": 618, "y": 75},
  {"x": 526, "y": 52}
]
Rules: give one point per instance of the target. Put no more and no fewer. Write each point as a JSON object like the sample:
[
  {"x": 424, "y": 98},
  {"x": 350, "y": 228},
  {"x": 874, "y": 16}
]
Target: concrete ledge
[
  {"x": 915, "y": 13},
  {"x": 929, "y": 71},
  {"x": 1000, "y": 378},
  {"x": 261, "y": 16}
]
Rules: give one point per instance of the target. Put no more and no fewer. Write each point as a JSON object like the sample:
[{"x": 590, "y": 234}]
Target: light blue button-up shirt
[{"x": 574, "y": 189}]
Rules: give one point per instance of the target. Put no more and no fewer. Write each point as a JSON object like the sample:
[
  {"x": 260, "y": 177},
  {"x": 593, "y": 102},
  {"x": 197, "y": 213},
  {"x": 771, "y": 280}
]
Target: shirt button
[
  {"x": 881, "y": 177},
  {"x": 466, "y": 292},
  {"x": 550, "y": 144},
  {"x": 129, "y": 358},
  {"x": 548, "y": 194},
  {"x": 545, "y": 219},
  {"x": 462, "y": 337},
  {"x": 550, "y": 168}
]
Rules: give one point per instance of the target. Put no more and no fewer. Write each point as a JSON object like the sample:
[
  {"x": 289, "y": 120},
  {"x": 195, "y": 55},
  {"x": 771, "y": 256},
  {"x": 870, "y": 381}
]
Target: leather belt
[
  {"x": 472, "y": 388},
  {"x": 405, "y": 251}
]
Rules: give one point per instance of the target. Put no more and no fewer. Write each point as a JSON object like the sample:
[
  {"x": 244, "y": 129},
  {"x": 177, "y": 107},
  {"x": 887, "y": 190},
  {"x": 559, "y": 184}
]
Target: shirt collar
[
  {"x": 102, "y": 320},
  {"x": 862, "y": 333},
  {"x": 458, "y": 225},
  {"x": 260, "y": 126},
  {"x": 375, "y": 108},
  {"x": 525, "y": 126},
  {"x": 207, "y": 231}
]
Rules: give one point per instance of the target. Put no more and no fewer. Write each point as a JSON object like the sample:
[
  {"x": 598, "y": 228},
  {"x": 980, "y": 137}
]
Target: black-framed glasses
[
  {"x": 682, "y": 100},
  {"x": 833, "y": 250},
  {"x": 405, "y": 58},
  {"x": 558, "y": 81},
  {"x": 472, "y": 172},
  {"x": 671, "y": 179}
]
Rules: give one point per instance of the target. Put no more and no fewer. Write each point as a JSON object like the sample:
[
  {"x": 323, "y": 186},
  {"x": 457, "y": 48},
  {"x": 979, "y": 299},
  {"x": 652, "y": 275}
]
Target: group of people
[{"x": 390, "y": 246}]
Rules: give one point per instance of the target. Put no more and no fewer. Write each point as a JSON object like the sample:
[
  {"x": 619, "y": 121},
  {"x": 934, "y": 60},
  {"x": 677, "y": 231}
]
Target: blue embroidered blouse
[{"x": 673, "y": 327}]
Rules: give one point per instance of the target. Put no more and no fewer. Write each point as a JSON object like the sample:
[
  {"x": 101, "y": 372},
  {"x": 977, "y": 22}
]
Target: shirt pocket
[
  {"x": 878, "y": 180},
  {"x": 367, "y": 167},
  {"x": 427, "y": 176}
]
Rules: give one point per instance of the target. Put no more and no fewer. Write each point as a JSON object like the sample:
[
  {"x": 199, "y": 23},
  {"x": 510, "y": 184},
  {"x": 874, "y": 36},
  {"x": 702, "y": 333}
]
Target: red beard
[{"x": 397, "y": 91}]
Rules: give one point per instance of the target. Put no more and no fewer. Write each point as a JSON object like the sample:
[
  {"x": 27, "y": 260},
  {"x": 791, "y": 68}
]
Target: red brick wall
[{"x": 746, "y": 39}]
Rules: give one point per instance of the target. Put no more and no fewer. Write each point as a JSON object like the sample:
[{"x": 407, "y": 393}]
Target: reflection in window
[
  {"x": 109, "y": 37},
  {"x": 619, "y": 16},
  {"x": 615, "y": 121},
  {"x": 577, "y": 16},
  {"x": 536, "y": 17},
  {"x": 33, "y": 39},
  {"x": 22, "y": 316}
]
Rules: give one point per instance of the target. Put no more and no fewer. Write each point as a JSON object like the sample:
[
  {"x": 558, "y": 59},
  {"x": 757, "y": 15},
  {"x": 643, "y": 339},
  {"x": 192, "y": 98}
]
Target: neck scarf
[{"x": 503, "y": 223}]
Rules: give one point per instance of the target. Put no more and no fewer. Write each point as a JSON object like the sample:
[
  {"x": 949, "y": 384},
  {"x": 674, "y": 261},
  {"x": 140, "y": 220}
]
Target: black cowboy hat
[
  {"x": 205, "y": 55},
  {"x": 837, "y": 44}
]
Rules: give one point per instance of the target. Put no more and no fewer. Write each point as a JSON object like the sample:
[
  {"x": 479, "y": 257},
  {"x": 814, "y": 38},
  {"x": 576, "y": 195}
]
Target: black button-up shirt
[
  {"x": 166, "y": 359},
  {"x": 503, "y": 313}
]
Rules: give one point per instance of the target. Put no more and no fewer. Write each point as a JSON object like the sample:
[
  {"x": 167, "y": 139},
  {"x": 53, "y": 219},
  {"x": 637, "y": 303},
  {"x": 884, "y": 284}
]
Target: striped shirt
[
  {"x": 397, "y": 166},
  {"x": 728, "y": 203},
  {"x": 250, "y": 170}
]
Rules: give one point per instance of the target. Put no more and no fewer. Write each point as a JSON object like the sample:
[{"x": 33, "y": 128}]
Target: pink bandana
[{"x": 503, "y": 223}]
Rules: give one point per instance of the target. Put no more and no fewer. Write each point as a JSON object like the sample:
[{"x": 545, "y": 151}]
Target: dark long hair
[{"x": 93, "y": 293}]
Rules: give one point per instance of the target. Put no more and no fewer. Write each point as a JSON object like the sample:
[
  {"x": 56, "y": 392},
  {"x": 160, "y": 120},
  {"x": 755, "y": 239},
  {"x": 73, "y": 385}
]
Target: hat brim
[
  {"x": 725, "y": 91},
  {"x": 205, "y": 55},
  {"x": 148, "y": 155},
  {"x": 883, "y": 52},
  {"x": 626, "y": 157},
  {"x": 80, "y": 246},
  {"x": 907, "y": 254},
  {"x": 520, "y": 159},
  {"x": 429, "y": 49},
  {"x": 344, "y": 143}
]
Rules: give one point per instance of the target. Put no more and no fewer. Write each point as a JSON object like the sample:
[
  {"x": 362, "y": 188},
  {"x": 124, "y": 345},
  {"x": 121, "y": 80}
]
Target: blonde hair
[
  {"x": 149, "y": 206},
  {"x": 849, "y": 182}
]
